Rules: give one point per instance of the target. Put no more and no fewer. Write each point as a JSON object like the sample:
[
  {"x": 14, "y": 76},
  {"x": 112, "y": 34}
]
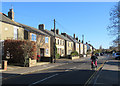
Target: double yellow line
[{"x": 93, "y": 75}]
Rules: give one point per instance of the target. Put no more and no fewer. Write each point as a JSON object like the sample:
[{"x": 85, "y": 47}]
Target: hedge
[{"x": 19, "y": 51}]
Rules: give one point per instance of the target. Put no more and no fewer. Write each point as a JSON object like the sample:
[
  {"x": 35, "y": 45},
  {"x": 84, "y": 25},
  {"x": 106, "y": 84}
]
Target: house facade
[
  {"x": 59, "y": 42},
  {"x": 81, "y": 48},
  {"x": 10, "y": 29},
  {"x": 17, "y": 31},
  {"x": 69, "y": 47}
]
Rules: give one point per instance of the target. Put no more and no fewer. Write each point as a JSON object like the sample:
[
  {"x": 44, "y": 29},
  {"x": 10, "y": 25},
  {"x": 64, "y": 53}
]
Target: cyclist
[{"x": 94, "y": 59}]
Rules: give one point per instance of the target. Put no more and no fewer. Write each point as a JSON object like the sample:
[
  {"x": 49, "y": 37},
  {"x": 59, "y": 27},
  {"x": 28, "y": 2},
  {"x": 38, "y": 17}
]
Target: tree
[{"x": 114, "y": 27}]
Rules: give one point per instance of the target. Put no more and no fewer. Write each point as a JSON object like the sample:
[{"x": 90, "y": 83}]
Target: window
[
  {"x": 46, "y": 39},
  {"x": 33, "y": 38},
  {"x": 62, "y": 51},
  {"x": 68, "y": 44},
  {"x": 46, "y": 51},
  {"x": 15, "y": 32},
  {"x": 71, "y": 44},
  {"x": 63, "y": 42},
  {"x": 58, "y": 41},
  {"x": 25, "y": 34},
  {"x": 77, "y": 45}
]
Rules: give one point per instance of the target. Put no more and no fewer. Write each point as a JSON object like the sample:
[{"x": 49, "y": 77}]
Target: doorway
[{"x": 41, "y": 52}]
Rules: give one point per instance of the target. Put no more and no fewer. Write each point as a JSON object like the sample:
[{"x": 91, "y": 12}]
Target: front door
[{"x": 41, "y": 52}]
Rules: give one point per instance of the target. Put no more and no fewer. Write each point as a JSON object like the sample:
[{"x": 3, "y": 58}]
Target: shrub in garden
[
  {"x": 19, "y": 51},
  {"x": 74, "y": 53}
]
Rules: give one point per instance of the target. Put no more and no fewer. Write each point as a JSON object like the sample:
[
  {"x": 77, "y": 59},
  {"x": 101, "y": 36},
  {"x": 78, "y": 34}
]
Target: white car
[{"x": 117, "y": 55}]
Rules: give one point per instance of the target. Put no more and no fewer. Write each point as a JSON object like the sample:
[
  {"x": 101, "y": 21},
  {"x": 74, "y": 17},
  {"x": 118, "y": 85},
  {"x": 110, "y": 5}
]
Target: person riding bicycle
[{"x": 94, "y": 59}]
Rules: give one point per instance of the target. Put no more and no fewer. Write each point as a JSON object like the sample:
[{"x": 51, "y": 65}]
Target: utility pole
[
  {"x": 83, "y": 45},
  {"x": 54, "y": 42}
]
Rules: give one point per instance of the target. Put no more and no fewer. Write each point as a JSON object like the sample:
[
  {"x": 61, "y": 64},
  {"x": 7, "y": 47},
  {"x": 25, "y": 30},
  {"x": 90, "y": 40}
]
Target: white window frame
[
  {"x": 47, "y": 51},
  {"x": 46, "y": 40},
  {"x": 16, "y": 32}
]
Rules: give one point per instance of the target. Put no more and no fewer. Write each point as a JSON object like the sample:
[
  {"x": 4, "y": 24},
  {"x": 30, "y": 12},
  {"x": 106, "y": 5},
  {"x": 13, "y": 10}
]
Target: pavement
[{"x": 13, "y": 71}]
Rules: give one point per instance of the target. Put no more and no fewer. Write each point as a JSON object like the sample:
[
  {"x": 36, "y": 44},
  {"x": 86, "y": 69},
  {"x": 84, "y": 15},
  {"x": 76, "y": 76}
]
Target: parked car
[
  {"x": 117, "y": 55},
  {"x": 97, "y": 54}
]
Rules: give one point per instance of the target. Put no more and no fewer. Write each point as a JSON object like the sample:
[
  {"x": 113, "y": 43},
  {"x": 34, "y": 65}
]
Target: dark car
[
  {"x": 97, "y": 54},
  {"x": 117, "y": 55}
]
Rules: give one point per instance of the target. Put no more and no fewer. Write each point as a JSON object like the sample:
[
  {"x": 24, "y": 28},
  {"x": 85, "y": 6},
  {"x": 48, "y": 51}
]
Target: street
[{"x": 74, "y": 73}]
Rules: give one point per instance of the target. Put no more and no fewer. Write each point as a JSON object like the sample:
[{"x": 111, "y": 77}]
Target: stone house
[
  {"x": 81, "y": 48},
  {"x": 75, "y": 43},
  {"x": 17, "y": 31},
  {"x": 59, "y": 42},
  {"x": 68, "y": 44}
]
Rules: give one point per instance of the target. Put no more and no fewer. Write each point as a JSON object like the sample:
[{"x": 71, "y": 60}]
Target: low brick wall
[
  {"x": 75, "y": 57},
  {"x": 32, "y": 62}
]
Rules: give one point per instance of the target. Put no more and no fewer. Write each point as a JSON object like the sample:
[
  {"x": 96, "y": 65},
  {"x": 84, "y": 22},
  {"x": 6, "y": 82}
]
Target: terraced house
[
  {"x": 69, "y": 47},
  {"x": 81, "y": 48},
  {"x": 60, "y": 42},
  {"x": 17, "y": 31}
]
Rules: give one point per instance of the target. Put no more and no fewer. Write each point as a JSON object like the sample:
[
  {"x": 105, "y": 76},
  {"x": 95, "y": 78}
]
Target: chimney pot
[
  {"x": 77, "y": 38},
  {"x": 41, "y": 27},
  {"x": 57, "y": 31},
  {"x": 74, "y": 35}
]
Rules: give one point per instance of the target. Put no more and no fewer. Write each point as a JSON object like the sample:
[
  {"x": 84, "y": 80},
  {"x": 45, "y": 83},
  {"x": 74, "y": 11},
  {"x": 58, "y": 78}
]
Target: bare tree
[{"x": 114, "y": 27}]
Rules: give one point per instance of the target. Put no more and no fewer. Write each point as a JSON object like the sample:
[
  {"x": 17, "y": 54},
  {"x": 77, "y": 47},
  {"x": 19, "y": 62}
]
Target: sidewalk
[{"x": 16, "y": 71}]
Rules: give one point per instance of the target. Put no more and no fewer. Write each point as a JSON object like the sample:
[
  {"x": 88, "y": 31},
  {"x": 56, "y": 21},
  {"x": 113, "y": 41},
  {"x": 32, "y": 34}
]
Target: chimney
[
  {"x": 52, "y": 30},
  {"x": 82, "y": 41},
  {"x": 11, "y": 14},
  {"x": 74, "y": 36},
  {"x": 77, "y": 38},
  {"x": 41, "y": 27},
  {"x": 57, "y": 31},
  {"x": 64, "y": 34}
]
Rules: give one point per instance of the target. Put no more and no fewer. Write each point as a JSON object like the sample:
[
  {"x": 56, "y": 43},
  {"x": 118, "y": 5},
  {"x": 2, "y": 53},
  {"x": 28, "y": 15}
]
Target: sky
[{"x": 82, "y": 18}]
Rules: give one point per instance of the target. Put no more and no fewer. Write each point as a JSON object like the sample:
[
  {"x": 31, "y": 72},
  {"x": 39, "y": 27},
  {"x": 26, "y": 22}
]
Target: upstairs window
[
  {"x": 58, "y": 41},
  {"x": 33, "y": 38},
  {"x": 46, "y": 39},
  {"x": 15, "y": 32}
]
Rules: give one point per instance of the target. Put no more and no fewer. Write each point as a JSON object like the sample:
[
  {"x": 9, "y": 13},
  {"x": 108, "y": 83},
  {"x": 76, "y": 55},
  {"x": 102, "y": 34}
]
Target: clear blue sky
[{"x": 88, "y": 18}]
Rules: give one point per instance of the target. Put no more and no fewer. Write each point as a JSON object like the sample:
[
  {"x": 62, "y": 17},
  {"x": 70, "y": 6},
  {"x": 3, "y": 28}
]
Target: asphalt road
[{"x": 74, "y": 73}]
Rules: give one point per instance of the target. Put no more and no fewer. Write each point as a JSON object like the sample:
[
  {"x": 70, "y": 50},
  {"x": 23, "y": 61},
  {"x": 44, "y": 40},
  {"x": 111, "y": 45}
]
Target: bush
[
  {"x": 57, "y": 56},
  {"x": 74, "y": 53},
  {"x": 19, "y": 51}
]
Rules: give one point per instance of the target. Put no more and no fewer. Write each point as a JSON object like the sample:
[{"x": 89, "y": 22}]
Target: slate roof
[
  {"x": 72, "y": 39},
  {"x": 32, "y": 29},
  {"x": 4, "y": 18},
  {"x": 51, "y": 33}
]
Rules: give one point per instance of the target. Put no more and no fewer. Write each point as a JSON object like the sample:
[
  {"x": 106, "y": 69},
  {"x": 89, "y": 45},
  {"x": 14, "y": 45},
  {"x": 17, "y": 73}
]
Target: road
[{"x": 78, "y": 73}]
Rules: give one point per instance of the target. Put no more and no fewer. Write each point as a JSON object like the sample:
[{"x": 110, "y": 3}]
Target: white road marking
[{"x": 43, "y": 79}]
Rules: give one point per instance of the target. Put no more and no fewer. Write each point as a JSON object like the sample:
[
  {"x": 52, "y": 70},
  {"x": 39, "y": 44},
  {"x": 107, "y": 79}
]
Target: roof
[
  {"x": 32, "y": 29},
  {"x": 57, "y": 35},
  {"x": 64, "y": 37},
  {"x": 4, "y": 18},
  {"x": 51, "y": 33},
  {"x": 72, "y": 39}
]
